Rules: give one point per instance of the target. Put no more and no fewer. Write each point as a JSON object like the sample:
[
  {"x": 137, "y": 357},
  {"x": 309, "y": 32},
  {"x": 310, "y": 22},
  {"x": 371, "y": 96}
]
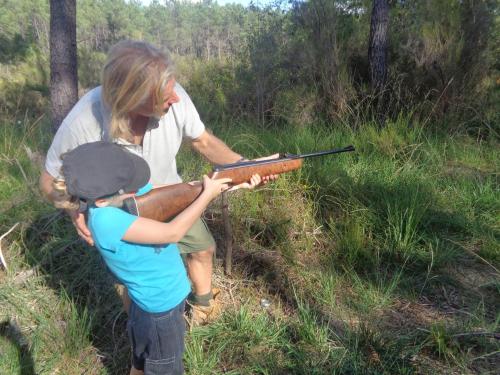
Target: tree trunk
[
  {"x": 63, "y": 64},
  {"x": 377, "y": 51}
]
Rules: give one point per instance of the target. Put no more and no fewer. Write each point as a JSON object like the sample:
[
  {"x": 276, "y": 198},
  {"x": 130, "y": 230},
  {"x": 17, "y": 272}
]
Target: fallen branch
[
  {"x": 2, "y": 259},
  {"x": 485, "y": 355},
  {"x": 495, "y": 335}
]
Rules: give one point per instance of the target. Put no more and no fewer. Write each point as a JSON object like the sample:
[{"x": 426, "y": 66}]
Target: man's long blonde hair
[{"x": 134, "y": 71}]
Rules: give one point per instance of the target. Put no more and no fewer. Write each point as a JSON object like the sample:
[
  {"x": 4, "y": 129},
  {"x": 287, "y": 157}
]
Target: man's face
[{"x": 169, "y": 97}]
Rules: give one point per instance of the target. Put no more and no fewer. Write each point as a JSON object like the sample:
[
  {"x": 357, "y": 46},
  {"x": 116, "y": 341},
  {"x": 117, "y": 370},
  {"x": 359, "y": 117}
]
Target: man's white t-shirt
[{"x": 88, "y": 121}]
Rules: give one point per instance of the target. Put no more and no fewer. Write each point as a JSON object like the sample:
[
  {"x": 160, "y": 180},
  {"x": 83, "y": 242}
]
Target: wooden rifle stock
[{"x": 164, "y": 203}]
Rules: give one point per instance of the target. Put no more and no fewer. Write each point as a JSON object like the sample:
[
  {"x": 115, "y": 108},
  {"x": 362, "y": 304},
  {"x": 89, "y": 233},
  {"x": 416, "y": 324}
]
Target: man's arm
[
  {"x": 46, "y": 187},
  {"x": 216, "y": 151},
  {"x": 77, "y": 218}
]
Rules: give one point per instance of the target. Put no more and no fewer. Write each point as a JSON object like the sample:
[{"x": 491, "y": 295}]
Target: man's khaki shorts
[{"x": 198, "y": 238}]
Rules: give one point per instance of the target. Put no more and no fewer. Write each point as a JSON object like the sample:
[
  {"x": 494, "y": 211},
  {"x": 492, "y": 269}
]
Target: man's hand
[
  {"x": 254, "y": 181},
  {"x": 78, "y": 220},
  {"x": 266, "y": 179}
]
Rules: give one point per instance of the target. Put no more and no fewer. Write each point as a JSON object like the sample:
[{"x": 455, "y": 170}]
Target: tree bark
[
  {"x": 63, "y": 60},
  {"x": 377, "y": 50}
]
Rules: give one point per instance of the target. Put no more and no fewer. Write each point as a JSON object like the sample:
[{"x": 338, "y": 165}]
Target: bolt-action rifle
[{"x": 165, "y": 202}]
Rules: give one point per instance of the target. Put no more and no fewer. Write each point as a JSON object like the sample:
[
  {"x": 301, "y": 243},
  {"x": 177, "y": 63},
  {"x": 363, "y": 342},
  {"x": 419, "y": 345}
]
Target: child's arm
[{"x": 149, "y": 231}]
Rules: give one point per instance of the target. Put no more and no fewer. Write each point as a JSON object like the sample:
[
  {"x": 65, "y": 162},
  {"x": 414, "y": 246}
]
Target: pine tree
[{"x": 63, "y": 61}]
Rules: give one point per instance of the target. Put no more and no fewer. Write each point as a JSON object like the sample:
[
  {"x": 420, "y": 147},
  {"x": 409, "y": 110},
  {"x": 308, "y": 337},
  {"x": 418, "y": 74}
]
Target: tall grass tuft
[{"x": 403, "y": 221}]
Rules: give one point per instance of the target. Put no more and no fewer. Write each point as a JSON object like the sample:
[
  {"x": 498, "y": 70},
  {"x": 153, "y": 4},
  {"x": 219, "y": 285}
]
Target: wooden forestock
[
  {"x": 244, "y": 173},
  {"x": 164, "y": 203}
]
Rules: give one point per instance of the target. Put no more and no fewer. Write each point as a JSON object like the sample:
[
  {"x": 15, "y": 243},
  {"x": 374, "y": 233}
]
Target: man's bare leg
[
  {"x": 204, "y": 305},
  {"x": 200, "y": 267}
]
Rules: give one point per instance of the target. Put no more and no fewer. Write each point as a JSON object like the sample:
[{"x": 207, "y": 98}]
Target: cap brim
[{"x": 142, "y": 174}]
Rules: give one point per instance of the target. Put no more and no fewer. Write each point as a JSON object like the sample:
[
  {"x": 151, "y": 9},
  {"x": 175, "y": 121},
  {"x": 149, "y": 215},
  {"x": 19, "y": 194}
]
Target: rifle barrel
[
  {"x": 225, "y": 167},
  {"x": 333, "y": 151}
]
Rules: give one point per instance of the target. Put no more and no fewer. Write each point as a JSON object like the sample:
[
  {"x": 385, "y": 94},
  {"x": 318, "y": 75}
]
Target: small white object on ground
[{"x": 264, "y": 303}]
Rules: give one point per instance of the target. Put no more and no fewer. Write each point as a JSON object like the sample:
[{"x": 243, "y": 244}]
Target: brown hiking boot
[{"x": 199, "y": 315}]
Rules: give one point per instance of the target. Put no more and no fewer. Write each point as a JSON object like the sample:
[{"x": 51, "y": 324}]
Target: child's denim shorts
[{"x": 157, "y": 340}]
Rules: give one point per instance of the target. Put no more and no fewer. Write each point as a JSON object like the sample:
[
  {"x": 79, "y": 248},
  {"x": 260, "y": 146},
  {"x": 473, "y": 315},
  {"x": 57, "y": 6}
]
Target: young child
[{"x": 140, "y": 252}]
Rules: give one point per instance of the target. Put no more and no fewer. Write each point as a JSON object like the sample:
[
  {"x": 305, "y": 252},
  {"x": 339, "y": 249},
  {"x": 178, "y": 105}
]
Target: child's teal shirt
[{"x": 153, "y": 274}]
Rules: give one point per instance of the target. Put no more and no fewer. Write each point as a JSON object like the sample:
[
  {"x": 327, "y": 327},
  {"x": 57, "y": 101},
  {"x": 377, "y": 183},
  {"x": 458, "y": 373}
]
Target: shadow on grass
[
  {"x": 11, "y": 331},
  {"x": 75, "y": 269}
]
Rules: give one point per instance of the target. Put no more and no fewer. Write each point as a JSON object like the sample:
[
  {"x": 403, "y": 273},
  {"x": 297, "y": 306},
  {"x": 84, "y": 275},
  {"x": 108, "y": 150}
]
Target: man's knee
[{"x": 203, "y": 255}]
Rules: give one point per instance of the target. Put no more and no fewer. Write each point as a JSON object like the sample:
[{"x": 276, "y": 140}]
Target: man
[{"x": 141, "y": 107}]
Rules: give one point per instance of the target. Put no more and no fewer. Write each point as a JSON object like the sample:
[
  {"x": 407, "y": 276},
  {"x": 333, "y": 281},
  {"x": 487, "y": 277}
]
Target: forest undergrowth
[{"x": 381, "y": 261}]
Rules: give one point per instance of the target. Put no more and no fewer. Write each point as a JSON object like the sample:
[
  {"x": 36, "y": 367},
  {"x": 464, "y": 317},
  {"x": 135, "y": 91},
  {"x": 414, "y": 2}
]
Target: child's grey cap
[{"x": 99, "y": 169}]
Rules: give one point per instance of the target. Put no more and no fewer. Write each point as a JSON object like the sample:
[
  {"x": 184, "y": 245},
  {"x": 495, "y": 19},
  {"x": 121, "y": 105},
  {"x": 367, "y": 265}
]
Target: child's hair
[
  {"x": 65, "y": 201},
  {"x": 133, "y": 72},
  {"x": 61, "y": 198}
]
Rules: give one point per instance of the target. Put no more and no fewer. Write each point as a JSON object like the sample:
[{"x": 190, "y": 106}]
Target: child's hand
[{"x": 215, "y": 186}]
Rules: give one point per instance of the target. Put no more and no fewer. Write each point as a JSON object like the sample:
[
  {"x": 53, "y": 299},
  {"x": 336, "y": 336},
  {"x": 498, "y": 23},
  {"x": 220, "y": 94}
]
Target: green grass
[{"x": 380, "y": 261}]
